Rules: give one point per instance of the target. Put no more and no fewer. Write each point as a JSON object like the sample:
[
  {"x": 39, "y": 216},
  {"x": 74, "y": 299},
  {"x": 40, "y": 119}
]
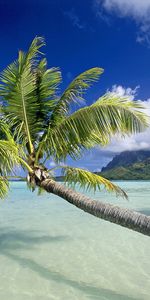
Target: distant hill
[{"x": 129, "y": 165}]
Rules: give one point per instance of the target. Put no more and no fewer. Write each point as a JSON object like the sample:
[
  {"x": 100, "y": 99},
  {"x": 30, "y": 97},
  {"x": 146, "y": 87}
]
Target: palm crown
[{"x": 41, "y": 125}]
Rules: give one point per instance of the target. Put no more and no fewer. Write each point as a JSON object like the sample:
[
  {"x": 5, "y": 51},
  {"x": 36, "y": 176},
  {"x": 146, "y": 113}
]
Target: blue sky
[{"x": 113, "y": 34}]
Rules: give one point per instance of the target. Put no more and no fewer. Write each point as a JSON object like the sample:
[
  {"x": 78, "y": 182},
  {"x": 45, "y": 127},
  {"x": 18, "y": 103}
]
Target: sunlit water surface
[{"x": 52, "y": 250}]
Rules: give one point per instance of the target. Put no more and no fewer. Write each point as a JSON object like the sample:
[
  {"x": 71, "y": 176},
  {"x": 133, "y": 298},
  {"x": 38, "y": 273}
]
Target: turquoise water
[{"x": 52, "y": 250}]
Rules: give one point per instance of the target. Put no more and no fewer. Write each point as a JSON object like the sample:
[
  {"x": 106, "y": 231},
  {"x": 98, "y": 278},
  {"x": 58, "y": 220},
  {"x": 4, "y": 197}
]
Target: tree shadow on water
[
  {"x": 91, "y": 291},
  {"x": 10, "y": 241},
  {"x": 14, "y": 239}
]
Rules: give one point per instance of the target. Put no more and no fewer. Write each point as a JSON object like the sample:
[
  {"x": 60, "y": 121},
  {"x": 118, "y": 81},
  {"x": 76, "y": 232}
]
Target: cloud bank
[
  {"x": 138, "y": 10},
  {"x": 139, "y": 141}
]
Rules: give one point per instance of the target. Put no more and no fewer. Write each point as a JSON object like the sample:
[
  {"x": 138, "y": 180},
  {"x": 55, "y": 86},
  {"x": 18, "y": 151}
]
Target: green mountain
[{"x": 129, "y": 165}]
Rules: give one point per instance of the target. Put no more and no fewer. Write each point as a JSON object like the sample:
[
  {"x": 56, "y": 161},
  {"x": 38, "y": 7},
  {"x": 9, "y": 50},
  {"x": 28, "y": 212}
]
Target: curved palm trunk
[{"x": 115, "y": 214}]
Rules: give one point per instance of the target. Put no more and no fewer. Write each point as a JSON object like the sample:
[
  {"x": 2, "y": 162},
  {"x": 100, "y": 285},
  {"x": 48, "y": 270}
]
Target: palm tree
[{"x": 42, "y": 127}]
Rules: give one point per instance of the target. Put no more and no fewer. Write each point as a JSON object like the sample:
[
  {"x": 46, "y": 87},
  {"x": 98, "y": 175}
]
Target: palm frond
[
  {"x": 10, "y": 152},
  {"x": 94, "y": 124},
  {"x": 4, "y": 185},
  {"x": 47, "y": 82},
  {"x": 22, "y": 105},
  {"x": 74, "y": 93},
  {"x": 18, "y": 90},
  {"x": 34, "y": 50},
  {"x": 9, "y": 157},
  {"x": 90, "y": 181},
  {"x": 29, "y": 90}
]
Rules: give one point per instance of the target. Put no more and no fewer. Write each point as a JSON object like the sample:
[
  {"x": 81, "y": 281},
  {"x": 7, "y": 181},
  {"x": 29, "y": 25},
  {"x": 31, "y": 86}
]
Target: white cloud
[
  {"x": 74, "y": 18},
  {"x": 102, "y": 156},
  {"x": 119, "y": 90},
  {"x": 139, "y": 141},
  {"x": 138, "y": 10},
  {"x": 52, "y": 164}
]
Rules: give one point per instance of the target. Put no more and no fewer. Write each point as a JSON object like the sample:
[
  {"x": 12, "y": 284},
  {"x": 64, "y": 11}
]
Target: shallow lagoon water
[{"x": 52, "y": 250}]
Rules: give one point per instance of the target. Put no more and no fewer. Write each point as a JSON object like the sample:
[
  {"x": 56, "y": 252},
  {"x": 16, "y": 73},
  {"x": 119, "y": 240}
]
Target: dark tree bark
[{"x": 115, "y": 214}]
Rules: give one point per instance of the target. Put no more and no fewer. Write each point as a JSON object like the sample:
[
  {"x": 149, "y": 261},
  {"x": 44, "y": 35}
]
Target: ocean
[{"x": 50, "y": 250}]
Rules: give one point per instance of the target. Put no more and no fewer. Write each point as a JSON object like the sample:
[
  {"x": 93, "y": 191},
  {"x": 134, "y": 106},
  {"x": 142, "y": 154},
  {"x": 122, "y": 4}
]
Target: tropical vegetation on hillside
[
  {"x": 37, "y": 125},
  {"x": 128, "y": 165},
  {"x": 137, "y": 171}
]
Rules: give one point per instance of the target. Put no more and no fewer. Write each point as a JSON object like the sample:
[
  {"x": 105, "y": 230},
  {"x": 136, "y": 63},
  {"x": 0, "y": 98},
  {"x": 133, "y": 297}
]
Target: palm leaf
[
  {"x": 74, "y": 93},
  {"x": 34, "y": 50},
  {"x": 22, "y": 105},
  {"x": 9, "y": 157},
  {"x": 90, "y": 181},
  {"x": 94, "y": 124},
  {"x": 10, "y": 153},
  {"x": 4, "y": 185},
  {"x": 18, "y": 90},
  {"x": 29, "y": 94},
  {"x": 47, "y": 82}
]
